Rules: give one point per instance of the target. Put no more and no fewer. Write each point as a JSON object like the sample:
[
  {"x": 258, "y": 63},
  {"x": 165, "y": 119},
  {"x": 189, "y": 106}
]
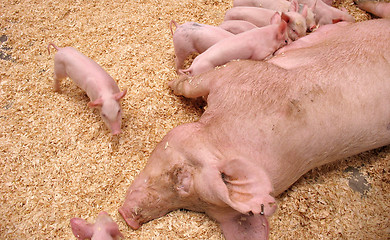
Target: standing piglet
[
  {"x": 256, "y": 44},
  {"x": 89, "y": 76},
  {"x": 103, "y": 229},
  {"x": 192, "y": 37},
  {"x": 261, "y": 17}
]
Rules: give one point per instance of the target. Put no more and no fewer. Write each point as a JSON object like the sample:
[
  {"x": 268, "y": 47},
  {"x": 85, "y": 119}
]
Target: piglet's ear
[
  {"x": 304, "y": 11},
  {"x": 245, "y": 188},
  {"x": 285, "y": 17},
  {"x": 120, "y": 95},
  {"x": 275, "y": 19},
  {"x": 81, "y": 229},
  {"x": 113, "y": 230},
  {"x": 96, "y": 103},
  {"x": 294, "y": 6},
  {"x": 282, "y": 30}
]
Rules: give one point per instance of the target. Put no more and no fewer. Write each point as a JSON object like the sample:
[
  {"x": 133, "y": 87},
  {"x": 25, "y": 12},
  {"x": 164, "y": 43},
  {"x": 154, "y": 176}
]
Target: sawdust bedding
[{"x": 58, "y": 160}]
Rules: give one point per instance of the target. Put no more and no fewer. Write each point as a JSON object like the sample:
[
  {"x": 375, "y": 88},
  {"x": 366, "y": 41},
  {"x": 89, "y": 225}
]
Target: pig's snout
[
  {"x": 116, "y": 132},
  {"x": 130, "y": 217}
]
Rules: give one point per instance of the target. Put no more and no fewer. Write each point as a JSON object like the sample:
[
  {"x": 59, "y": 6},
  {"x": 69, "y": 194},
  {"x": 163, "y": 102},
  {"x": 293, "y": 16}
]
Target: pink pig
[
  {"x": 326, "y": 14},
  {"x": 380, "y": 9},
  {"x": 103, "y": 229},
  {"x": 256, "y": 44},
  {"x": 237, "y": 26},
  {"x": 89, "y": 76},
  {"x": 194, "y": 37},
  {"x": 280, "y": 6},
  {"x": 261, "y": 17},
  {"x": 264, "y": 127},
  {"x": 313, "y": 38}
]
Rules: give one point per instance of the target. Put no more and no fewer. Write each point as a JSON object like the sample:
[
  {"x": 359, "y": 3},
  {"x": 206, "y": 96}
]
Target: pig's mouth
[{"x": 134, "y": 220}]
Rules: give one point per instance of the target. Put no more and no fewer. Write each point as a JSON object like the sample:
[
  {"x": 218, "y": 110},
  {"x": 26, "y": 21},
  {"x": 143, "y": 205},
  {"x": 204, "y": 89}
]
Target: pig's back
[{"x": 333, "y": 108}]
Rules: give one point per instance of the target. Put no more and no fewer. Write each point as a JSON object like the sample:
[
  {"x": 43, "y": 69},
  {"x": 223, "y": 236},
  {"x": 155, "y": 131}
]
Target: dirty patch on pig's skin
[{"x": 357, "y": 181}]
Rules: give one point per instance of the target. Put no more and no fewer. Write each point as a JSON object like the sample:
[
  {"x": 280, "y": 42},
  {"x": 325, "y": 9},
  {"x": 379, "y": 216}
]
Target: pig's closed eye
[
  {"x": 104, "y": 115},
  {"x": 119, "y": 111}
]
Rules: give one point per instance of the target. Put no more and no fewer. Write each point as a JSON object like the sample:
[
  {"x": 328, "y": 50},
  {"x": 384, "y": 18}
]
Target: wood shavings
[{"x": 58, "y": 160}]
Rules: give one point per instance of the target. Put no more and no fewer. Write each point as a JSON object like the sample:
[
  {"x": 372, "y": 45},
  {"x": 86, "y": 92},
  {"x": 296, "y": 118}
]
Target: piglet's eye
[{"x": 104, "y": 115}]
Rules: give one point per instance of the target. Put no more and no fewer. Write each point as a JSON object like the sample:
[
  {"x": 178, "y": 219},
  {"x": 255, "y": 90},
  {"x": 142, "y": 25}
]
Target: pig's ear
[
  {"x": 304, "y": 11},
  {"x": 294, "y": 6},
  {"x": 113, "y": 230},
  {"x": 285, "y": 17},
  {"x": 120, "y": 95},
  {"x": 81, "y": 229},
  {"x": 281, "y": 30},
  {"x": 96, "y": 103},
  {"x": 245, "y": 188},
  {"x": 275, "y": 19}
]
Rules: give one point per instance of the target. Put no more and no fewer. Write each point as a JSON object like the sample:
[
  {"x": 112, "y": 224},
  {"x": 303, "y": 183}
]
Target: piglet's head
[
  {"x": 296, "y": 22},
  {"x": 110, "y": 110},
  {"x": 103, "y": 229},
  {"x": 184, "y": 172}
]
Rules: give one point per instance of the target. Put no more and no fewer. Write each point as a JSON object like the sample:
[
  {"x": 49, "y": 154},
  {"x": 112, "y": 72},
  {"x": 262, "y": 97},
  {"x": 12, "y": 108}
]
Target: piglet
[
  {"x": 192, "y": 37},
  {"x": 325, "y": 14},
  {"x": 103, "y": 229},
  {"x": 260, "y": 17},
  {"x": 255, "y": 44},
  {"x": 100, "y": 87},
  {"x": 237, "y": 26},
  {"x": 379, "y": 9},
  {"x": 280, "y": 6}
]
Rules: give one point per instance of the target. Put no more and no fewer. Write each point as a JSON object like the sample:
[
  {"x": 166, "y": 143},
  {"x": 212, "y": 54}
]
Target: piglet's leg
[{"x": 59, "y": 74}]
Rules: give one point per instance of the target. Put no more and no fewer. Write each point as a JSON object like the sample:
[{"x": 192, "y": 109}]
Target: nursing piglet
[
  {"x": 237, "y": 26},
  {"x": 325, "y": 14},
  {"x": 103, "y": 229},
  {"x": 379, "y": 9},
  {"x": 192, "y": 37},
  {"x": 261, "y": 17},
  {"x": 255, "y": 44},
  {"x": 100, "y": 87},
  {"x": 280, "y": 6}
]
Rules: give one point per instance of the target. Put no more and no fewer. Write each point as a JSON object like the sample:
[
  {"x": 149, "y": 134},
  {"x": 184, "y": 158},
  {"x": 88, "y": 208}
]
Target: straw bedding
[{"x": 58, "y": 160}]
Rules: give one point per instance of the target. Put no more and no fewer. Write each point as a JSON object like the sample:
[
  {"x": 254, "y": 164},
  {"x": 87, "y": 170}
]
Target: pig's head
[
  {"x": 103, "y": 229},
  {"x": 296, "y": 21},
  {"x": 310, "y": 17},
  {"x": 110, "y": 110},
  {"x": 186, "y": 171}
]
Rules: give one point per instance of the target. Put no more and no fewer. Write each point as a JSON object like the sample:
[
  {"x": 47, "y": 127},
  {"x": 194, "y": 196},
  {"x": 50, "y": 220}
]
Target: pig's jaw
[{"x": 131, "y": 221}]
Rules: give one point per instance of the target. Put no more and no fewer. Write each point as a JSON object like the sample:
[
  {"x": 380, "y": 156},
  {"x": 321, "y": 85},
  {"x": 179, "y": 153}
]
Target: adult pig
[
  {"x": 261, "y": 17},
  {"x": 280, "y": 6},
  {"x": 256, "y": 44},
  {"x": 193, "y": 37},
  {"x": 266, "y": 126},
  {"x": 102, "y": 90},
  {"x": 103, "y": 229},
  {"x": 325, "y": 14},
  {"x": 379, "y": 9}
]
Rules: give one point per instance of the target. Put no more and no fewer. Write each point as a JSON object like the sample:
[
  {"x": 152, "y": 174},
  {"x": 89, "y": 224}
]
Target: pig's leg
[
  {"x": 59, "y": 74},
  {"x": 380, "y": 9},
  {"x": 190, "y": 87}
]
